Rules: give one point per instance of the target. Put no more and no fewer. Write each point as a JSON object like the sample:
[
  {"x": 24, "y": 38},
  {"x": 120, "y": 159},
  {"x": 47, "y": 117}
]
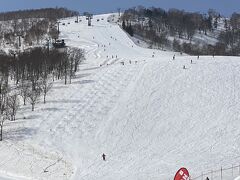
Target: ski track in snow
[{"x": 149, "y": 116}]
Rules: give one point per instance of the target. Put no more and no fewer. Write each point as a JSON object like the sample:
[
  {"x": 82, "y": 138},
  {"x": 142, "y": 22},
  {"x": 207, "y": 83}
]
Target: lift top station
[{"x": 89, "y": 18}]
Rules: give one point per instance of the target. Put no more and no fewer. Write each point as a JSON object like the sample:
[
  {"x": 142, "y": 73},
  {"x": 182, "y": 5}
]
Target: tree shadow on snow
[
  {"x": 60, "y": 87},
  {"x": 83, "y": 82},
  {"x": 87, "y": 69},
  {"x": 33, "y": 116},
  {"x": 67, "y": 101},
  {"x": 26, "y": 117},
  {"x": 78, "y": 76},
  {"x": 18, "y": 134},
  {"x": 50, "y": 109}
]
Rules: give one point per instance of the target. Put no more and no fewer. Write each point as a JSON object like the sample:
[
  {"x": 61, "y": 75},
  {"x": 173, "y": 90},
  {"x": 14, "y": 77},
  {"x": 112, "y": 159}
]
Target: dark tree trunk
[
  {"x": 24, "y": 101},
  {"x": 1, "y": 132},
  {"x": 44, "y": 98}
]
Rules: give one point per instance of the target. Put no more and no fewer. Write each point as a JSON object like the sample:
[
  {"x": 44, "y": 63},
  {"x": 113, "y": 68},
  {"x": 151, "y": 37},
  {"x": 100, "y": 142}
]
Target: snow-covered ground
[
  {"x": 149, "y": 116},
  {"x": 237, "y": 178}
]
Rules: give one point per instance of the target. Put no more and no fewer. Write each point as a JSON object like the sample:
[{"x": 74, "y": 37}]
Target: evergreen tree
[
  {"x": 215, "y": 24},
  {"x": 124, "y": 25},
  {"x": 130, "y": 30}
]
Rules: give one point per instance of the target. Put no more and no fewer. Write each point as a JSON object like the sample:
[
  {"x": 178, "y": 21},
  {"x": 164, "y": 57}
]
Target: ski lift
[{"x": 59, "y": 43}]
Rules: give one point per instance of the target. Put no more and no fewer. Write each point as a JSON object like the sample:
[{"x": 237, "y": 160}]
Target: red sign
[{"x": 182, "y": 174}]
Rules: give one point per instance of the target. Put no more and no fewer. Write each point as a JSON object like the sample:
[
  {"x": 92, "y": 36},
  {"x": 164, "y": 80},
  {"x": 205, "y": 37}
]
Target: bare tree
[
  {"x": 3, "y": 116},
  {"x": 24, "y": 87},
  {"x": 2, "y": 120},
  {"x": 34, "y": 98},
  {"x": 71, "y": 70},
  {"x": 34, "y": 94},
  {"x": 77, "y": 55},
  {"x": 12, "y": 106},
  {"x": 66, "y": 66},
  {"x": 46, "y": 85}
]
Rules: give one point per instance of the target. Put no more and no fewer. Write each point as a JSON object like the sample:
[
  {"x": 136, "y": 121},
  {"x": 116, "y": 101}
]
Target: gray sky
[{"x": 225, "y": 7}]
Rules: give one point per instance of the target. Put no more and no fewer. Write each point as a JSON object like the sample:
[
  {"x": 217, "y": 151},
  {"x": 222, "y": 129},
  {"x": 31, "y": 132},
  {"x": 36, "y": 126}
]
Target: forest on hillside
[
  {"x": 28, "y": 74},
  {"x": 31, "y": 26},
  {"x": 176, "y": 29},
  {"x": 48, "y": 13}
]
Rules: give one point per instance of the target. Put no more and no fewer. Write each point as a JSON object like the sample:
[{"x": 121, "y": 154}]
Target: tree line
[
  {"x": 47, "y": 13},
  {"x": 29, "y": 76},
  {"x": 31, "y": 26},
  {"x": 157, "y": 25},
  {"x": 28, "y": 32}
]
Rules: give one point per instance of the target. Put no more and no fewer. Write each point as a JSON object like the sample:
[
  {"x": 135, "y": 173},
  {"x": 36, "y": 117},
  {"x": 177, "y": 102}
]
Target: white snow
[
  {"x": 149, "y": 116},
  {"x": 237, "y": 178}
]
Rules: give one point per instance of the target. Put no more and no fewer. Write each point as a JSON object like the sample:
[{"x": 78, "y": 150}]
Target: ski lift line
[{"x": 209, "y": 172}]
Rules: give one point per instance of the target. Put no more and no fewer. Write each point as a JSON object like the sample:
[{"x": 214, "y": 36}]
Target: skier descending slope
[{"x": 104, "y": 157}]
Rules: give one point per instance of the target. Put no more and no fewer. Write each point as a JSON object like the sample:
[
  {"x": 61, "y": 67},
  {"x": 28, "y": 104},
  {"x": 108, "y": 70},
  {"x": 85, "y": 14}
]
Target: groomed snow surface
[{"x": 149, "y": 116}]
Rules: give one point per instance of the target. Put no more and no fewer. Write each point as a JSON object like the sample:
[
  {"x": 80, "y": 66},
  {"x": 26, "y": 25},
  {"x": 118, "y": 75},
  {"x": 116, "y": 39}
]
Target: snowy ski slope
[{"x": 149, "y": 116}]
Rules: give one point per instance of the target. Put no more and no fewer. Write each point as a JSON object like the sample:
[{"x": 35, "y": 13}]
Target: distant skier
[
  {"x": 184, "y": 67},
  {"x": 191, "y": 61},
  {"x": 198, "y": 56},
  {"x": 104, "y": 157},
  {"x": 173, "y": 57},
  {"x": 207, "y": 178}
]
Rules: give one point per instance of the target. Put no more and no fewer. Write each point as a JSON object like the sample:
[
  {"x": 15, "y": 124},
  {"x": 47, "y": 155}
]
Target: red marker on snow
[{"x": 182, "y": 174}]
